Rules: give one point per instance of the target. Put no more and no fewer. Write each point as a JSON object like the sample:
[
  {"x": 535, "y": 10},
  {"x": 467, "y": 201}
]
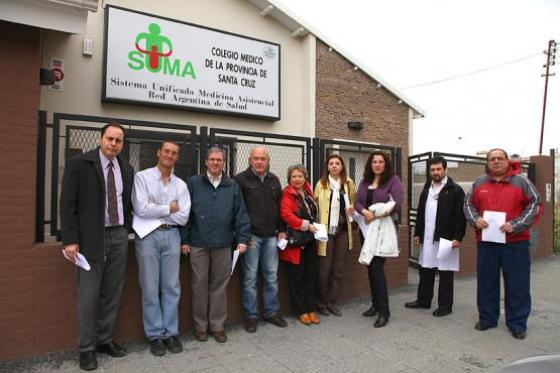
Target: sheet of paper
[
  {"x": 81, "y": 261},
  {"x": 361, "y": 223},
  {"x": 143, "y": 226},
  {"x": 282, "y": 243},
  {"x": 234, "y": 260},
  {"x": 347, "y": 203},
  {"x": 495, "y": 220},
  {"x": 447, "y": 256},
  {"x": 321, "y": 233}
]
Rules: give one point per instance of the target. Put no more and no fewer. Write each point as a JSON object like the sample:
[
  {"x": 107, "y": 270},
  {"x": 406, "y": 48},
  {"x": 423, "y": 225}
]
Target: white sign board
[{"x": 158, "y": 61}]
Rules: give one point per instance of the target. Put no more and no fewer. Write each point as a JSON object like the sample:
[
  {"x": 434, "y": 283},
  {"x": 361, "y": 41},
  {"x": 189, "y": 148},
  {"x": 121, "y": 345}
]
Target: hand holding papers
[
  {"x": 80, "y": 261},
  {"x": 282, "y": 243},
  {"x": 347, "y": 203},
  {"x": 448, "y": 257},
  {"x": 495, "y": 220},
  {"x": 321, "y": 232},
  {"x": 361, "y": 223}
]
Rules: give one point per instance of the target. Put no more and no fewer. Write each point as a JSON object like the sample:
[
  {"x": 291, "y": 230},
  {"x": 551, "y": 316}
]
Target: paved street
[{"x": 413, "y": 341}]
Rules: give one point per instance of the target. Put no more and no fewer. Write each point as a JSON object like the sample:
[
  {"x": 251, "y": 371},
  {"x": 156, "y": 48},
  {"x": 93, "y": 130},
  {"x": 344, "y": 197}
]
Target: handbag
[{"x": 297, "y": 238}]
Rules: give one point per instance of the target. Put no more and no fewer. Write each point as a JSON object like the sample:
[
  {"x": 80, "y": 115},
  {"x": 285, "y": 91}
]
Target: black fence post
[
  {"x": 317, "y": 161},
  {"x": 54, "y": 177},
  {"x": 398, "y": 163},
  {"x": 203, "y": 137},
  {"x": 40, "y": 181}
]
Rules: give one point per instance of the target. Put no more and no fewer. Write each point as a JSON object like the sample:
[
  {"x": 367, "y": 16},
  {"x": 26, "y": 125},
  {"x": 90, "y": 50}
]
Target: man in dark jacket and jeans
[
  {"x": 440, "y": 216},
  {"x": 262, "y": 193},
  {"x": 218, "y": 219}
]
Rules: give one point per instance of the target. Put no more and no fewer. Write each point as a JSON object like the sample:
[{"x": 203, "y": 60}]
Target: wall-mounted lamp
[
  {"x": 355, "y": 125},
  {"x": 267, "y": 10},
  {"x": 46, "y": 77},
  {"x": 298, "y": 32},
  {"x": 356, "y": 68}
]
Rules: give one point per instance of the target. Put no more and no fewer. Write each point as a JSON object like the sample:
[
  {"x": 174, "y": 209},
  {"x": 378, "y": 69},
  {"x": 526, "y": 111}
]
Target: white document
[
  {"x": 234, "y": 260},
  {"x": 448, "y": 256},
  {"x": 495, "y": 220},
  {"x": 445, "y": 249},
  {"x": 81, "y": 261},
  {"x": 144, "y": 226},
  {"x": 361, "y": 223},
  {"x": 321, "y": 233},
  {"x": 282, "y": 243},
  {"x": 347, "y": 203}
]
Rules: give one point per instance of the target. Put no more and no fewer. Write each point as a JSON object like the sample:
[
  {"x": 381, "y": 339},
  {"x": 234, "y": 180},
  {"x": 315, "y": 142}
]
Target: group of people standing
[{"x": 211, "y": 213}]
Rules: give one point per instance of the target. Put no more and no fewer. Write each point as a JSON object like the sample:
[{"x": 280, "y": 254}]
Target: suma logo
[{"x": 153, "y": 53}]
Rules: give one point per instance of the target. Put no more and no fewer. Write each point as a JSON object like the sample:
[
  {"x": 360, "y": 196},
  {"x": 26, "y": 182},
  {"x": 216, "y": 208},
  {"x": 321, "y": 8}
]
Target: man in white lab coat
[{"x": 440, "y": 225}]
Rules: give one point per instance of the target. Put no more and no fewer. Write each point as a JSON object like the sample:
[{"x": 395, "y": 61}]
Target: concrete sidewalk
[{"x": 413, "y": 341}]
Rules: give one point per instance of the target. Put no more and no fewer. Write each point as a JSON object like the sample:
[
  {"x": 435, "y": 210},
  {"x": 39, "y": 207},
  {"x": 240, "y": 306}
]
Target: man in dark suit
[{"x": 96, "y": 216}]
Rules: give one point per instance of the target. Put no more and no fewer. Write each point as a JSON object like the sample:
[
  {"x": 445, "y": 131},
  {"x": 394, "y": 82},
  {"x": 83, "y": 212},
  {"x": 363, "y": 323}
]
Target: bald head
[{"x": 259, "y": 159}]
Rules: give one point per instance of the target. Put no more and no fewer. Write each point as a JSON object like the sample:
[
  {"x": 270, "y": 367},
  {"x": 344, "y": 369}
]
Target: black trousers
[
  {"x": 302, "y": 280},
  {"x": 99, "y": 292},
  {"x": 378, "y": 283},
  {"x": 378, "y": 286},
  {"x": 426, "y": 287}
]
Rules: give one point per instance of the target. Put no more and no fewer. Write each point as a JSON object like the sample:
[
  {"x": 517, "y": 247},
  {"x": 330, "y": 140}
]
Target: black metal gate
[
  {"x": 463, "y": 169},
  {"x": 72, "y": 134},
  {"x": 284, "y": 150}
]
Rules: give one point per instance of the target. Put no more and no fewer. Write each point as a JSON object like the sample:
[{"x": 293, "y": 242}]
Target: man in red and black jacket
[{"x": 504, "y": 189}]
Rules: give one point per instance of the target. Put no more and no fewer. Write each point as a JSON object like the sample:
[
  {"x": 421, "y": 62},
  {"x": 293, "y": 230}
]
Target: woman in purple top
[{"x": 378, "y": 185}]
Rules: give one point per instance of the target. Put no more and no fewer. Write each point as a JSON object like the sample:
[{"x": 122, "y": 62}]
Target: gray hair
[
  {"x": 260, "y": 147},
  {"x": 215, "y": 149},
  {"x": 297, "y": 167}
]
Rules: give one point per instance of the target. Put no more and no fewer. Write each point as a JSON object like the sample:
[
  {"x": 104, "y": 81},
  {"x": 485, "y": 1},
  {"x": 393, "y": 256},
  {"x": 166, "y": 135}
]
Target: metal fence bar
[
  {"x": 54, "y": 176},
  {"x": 40, "y": 180}
]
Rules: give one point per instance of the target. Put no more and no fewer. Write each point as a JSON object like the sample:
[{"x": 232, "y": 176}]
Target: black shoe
[
  {"x": 416, "y": 304},
  {"x": 440, "y": 311},
  {"x": 322, "y": 309},
  {"x": 381, "y": 321},
  {"x": 88, "y": 361},
  {"x": 251, "y": 324},
  {"x": 112, "y": 349},
  {"x": 482, "y": 327},
  {"x": 333, "y": 308},
  {"x": 518, "y": 335},
  {"x": 174, "y": 345},
  {"x": 201, "y": 336},
  {"x": 157, "y": 347},
  {"x": 220, "y": 336},
  {"x": 370, "y": 312},
  {"x": 277, "y": 319}
]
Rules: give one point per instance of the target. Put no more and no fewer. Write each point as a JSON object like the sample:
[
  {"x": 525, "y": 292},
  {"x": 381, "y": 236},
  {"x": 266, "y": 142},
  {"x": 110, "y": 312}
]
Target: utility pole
[{"x": 550, "y": 61}]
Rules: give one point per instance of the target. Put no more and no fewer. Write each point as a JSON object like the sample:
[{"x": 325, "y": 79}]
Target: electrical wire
[{"x": 463, "y": 75}]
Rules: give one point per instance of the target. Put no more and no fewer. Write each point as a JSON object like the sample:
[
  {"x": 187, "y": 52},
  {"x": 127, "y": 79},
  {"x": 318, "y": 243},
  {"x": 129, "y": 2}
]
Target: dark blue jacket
[{"x": 218, "y": 216}]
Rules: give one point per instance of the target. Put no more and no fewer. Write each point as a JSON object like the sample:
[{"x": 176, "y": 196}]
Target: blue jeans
[
  {"x": 263, "y": 253},
  {"x": 158, "y": 255}
]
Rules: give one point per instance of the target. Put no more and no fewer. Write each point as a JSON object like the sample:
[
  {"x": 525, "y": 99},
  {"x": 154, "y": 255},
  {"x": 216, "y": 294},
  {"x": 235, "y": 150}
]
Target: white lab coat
[{"x": 429, "y": 250}]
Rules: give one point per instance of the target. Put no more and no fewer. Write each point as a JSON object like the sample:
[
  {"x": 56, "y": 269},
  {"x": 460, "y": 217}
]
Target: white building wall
[{"x": 83, "y": 75}]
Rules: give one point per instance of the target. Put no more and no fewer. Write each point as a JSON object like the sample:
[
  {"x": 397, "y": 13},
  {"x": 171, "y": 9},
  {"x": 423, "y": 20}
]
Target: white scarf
[{"x": 334, "y": 211}]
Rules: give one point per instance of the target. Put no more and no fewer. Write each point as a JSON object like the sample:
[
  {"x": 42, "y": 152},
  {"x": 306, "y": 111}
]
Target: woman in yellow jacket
[{"x": 334, "y": 213}]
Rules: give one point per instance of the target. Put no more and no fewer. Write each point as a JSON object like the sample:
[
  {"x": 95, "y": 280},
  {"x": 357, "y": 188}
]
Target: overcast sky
[{"x": 410, "y": 42}]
